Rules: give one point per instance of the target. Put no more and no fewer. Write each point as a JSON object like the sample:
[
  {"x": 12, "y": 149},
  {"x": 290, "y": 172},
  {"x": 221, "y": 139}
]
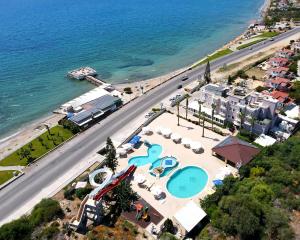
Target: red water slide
[{"x": 105, "y": 190}]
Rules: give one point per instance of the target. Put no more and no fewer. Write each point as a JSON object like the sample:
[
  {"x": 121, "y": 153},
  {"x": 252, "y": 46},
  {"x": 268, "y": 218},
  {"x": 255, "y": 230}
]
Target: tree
[
  {"x": 207, "y": 76},
  {"x": 242, "y": 116},
  {"x": 252, "y": 122},
  {"x": 124, "y": 196},
  {"x": 213, "y": 107},
  {"x": 203, "y": 124},
  {"x": 110, "y": 156},
  {"x": 199, "y": 111},
  {"x": 230, "y": 80},
  {"x": 186, "y": 105},
  {"x": 48, "y": 129},
  {"x": 178, "y": 116},
  {"x": 25, "y": 153},
  {"x": 168, "y": 226}
]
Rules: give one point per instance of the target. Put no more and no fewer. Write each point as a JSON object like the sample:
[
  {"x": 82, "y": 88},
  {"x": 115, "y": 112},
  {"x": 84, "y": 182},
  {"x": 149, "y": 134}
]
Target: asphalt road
[{"x": 58, "y": 162}]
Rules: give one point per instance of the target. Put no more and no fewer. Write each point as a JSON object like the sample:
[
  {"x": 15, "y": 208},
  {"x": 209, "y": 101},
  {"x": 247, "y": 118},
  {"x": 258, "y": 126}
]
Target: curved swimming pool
[
  {"x": 187, "y": 182},
  {"x": 153, "y": 151}
]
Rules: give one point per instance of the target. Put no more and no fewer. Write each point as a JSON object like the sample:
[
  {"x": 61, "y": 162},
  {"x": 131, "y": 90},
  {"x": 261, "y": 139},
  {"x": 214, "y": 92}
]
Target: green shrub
[
  {"x": 45, "y": 211},
  {"x": 128, "y": 90},
  {"x": 167, "y": 236},
  {"x": 82, "y": 192},
  {"x": 49, "y": 232},
  {"x": 69, "y": 193},
  {"x": 17, "y": 229},
  {"x": 260, "y": 88},
  {"x": 23, "y": 227},
  {"x": 168, "y": 226}
]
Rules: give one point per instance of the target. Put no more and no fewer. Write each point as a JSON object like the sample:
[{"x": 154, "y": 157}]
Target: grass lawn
[
  {"x": 5, "y": 176},
  {"x": 249, "y": 44},
  {"x": 268, "y": 34},
  {"x": 214, "y": 56},
  {"x": 38, "y": 147}
]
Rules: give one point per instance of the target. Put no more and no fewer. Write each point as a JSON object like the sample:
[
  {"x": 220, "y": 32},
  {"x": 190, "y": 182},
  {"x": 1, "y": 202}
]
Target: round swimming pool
[{"x": 187, "y": 182}]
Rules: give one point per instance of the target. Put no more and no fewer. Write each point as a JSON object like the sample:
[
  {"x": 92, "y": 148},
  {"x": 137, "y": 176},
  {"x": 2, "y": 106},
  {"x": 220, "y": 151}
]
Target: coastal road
[{"x": 55, "y": 164}]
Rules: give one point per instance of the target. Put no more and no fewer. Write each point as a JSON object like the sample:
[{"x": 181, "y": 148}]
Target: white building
[{"x": 231, "y": 105}]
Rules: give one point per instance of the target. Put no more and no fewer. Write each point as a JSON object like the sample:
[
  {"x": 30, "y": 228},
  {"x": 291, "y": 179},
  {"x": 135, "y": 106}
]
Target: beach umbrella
[
  {"x": 217, "y": 182},
  {"x": 166, "y": 132},
  {"x": 127, "y": 146},
  {"x": 121, "y": 151},
  {"x": 140, "y": 178},
  {"x": 156, "y": 190},
  {"x": 146, "y": 130},
  {"x": 186, "y": 142},
  {"x": 196, "y": 146},
  {"x": 158, "y": 130},
  {"x": 175, "y": 137}
]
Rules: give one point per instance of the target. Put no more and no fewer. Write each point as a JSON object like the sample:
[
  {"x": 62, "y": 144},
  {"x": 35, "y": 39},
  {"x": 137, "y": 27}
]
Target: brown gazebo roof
[{"x": 236, "y": 150}]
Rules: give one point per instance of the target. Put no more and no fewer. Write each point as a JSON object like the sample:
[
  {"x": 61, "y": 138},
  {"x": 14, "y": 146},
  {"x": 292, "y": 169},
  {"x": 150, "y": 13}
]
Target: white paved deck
[{"x": 186, "y": 157}]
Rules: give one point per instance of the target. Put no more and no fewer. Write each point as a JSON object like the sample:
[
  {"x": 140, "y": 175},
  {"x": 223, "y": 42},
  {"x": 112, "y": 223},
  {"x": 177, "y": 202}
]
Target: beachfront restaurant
[{"x": 95, "y": 109}]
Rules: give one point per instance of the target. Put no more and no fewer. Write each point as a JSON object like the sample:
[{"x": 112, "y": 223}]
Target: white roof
[
  {"x": 80, "y": 185},
  {"x": 87, "y": 97},
  {"x": 190, "y": 215},
  {"x": 195, "y": 105},
  {"x": 265, "y": 140},
  {"x": 293, "y": 111}
]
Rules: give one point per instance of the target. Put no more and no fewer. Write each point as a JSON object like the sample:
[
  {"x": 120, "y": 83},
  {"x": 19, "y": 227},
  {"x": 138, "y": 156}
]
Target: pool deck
[{"x": 185, "y": 157}]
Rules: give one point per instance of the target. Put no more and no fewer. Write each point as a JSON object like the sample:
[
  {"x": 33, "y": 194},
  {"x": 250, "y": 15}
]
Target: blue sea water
[{"x": 40, "y": 40}]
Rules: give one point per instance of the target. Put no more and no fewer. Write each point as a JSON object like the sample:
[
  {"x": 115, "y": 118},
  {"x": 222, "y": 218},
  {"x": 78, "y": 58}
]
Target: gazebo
[{"x": 235, "y": 151}]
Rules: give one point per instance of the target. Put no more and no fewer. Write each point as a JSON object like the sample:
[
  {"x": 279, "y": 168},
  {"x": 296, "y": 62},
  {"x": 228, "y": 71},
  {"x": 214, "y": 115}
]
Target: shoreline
[{"x": 28, "y": 128}]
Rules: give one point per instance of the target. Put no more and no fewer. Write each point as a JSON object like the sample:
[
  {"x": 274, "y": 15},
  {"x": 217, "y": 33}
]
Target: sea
[{"x": 124, "y": 40}]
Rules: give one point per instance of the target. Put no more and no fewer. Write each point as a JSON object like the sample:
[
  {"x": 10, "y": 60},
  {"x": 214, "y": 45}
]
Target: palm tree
[
  {"x": 186, "y": 105},
  {"x": 203, "y": 124},
  {"x": 48, "y": 129},
  {"x": 242, "y": 116},
  {"x": 252, "y": 121},
  {"x": 200, "y": 112},
  {"x": 177, "y": 104},
  {"x": 213, "y": 108}
]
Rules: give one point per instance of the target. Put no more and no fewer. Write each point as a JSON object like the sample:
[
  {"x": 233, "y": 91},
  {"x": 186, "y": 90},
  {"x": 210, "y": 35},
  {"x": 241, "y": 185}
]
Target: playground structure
[
  {"x": 164, "y": 164},
  {"x": 91, "y": 208},
  {"x": 141, "y": 212}
]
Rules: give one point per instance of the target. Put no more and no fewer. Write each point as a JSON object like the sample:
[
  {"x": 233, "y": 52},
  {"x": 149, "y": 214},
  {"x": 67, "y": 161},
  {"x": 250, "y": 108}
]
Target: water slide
[
  {"x": 117, "y": 178},
  {"x": 99, "y": 186},
  {"x": 110, "y": 182}
]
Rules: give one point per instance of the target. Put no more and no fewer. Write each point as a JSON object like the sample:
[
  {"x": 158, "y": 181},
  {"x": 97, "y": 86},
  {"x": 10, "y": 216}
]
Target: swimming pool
[
  {"x": 153, "y": 151},
  {"x": 168, "y": 164},
  {"x": 187, "y": 182}
]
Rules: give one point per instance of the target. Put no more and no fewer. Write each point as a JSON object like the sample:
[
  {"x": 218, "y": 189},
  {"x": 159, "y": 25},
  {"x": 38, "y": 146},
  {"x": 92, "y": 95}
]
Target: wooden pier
[
  {"x": 86, "y": 73},
  {"x": 97, "y": 82}
]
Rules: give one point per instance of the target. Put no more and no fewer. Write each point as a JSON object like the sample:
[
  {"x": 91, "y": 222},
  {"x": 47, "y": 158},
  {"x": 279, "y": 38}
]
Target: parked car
[
  {"x": 271, "y": 39},
  {"x": 179, "y": 86},
  {"x": 149, "y": 114},
  {"x": 184, "y": 78}
]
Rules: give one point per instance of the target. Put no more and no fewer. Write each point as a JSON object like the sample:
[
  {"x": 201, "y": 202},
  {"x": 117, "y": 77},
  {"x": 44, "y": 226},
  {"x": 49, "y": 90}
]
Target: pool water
[
  {"x": 154, "y": 152},
  {"x": 187, "y": 182},
  {"x": 167, "y": 170}
]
